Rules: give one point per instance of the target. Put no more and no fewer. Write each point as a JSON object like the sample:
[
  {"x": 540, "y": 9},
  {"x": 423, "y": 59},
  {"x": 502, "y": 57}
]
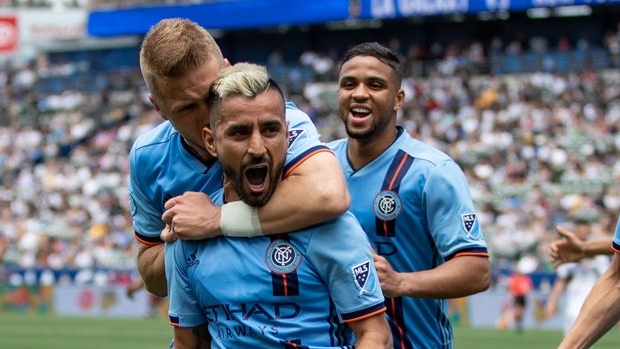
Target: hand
[
  {"x": 191, "y": 216},
  {"x": 569, "y": 248},
  {"x": 550, "y": 310},
  {"x": 390, "y": 280},
  {"x": 167, "y": 234}
]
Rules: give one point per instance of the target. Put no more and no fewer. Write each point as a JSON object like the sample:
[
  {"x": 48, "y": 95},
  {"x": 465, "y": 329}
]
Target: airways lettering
[{"x": 244, "y": 331}]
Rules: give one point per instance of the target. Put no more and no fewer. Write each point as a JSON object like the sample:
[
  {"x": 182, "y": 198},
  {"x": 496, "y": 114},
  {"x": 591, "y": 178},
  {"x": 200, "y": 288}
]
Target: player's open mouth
[
  {"x": 256, "y": 176},
  {"x": 359, "y": 112}
]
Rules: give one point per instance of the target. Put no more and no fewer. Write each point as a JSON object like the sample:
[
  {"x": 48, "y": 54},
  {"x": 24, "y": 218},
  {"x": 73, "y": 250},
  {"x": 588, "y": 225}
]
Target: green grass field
[{"x": 21, "y": 331}]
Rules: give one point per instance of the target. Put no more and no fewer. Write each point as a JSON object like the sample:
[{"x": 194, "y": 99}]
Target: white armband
[{"x": 240, "y": 220}]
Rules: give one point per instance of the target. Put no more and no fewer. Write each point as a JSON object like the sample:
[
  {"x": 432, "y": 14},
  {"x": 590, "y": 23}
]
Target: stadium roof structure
[{"x": 248, "y": 14}]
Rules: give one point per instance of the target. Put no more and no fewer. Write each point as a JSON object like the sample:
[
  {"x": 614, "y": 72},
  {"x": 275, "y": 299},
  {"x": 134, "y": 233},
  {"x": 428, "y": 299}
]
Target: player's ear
[
  {"x": 208, "y": 138},
  {"x": 157, "y": 107},
  {"x": 399, "y": 99}
]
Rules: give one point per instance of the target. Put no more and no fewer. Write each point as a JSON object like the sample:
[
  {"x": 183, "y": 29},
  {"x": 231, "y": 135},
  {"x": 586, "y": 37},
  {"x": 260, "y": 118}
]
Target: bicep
[{"x": 320, "y": 175}]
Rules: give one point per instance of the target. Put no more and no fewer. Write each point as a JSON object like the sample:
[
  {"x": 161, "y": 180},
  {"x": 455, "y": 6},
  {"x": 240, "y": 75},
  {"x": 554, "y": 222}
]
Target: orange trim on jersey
[
  {"x": 392, "y": 316},
  {"x": 173, "y": 324},
  {"x": 306, "y": 158},
  {"x": 149, "y": 243},
  {"x": 391, "y": 185},
  {"x": 363, "y": 317},
  {"x": 285, "y": 284},
  {"x": 400, "y": 167},
  {"x": 476, "y": 254}
]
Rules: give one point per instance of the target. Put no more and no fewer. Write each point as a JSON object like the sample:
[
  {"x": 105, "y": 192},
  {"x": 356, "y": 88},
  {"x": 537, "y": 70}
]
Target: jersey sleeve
[
  {"x": 146, "y": 217},
  {"x": 304, "y": 139},
  {"x": 451, "y": 214},
  {"x": 345, "y": 263},
  {"x": 183, "y": 308}
]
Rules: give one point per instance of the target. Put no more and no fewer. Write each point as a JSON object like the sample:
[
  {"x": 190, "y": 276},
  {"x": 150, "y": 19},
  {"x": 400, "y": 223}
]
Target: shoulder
[
  {"x": 341, "y": 231},
  {"x": 152, "y": 142},
  {"x": 422, "y": 151},
  {"x": 338, "y": 144}
]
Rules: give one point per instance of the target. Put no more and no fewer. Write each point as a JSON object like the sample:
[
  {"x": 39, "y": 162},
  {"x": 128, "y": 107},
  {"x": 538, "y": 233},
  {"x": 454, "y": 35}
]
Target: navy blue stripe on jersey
[
  {"x": 284, "y": 284},
  {"x": 149, "y": 240},
  {"x": 294, "y": 162},
  {"x": 481, "y": 251},
  {"x": 337, "y": 330},
  {"x": 615, "y": 246},
  {"x": 446, "y": 328},
  {"x": 397, "y": 323},
  {"x": 356, "y": 314},
  {"x": 174, "y": 320},
  {"x": 391, "y": 182}
]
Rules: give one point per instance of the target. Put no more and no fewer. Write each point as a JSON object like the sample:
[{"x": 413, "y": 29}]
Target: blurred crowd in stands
[{"x": 539, "y": 149}]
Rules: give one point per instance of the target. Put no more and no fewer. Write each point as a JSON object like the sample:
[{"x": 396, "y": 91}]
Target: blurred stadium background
[{"x": 524, "y": 94}]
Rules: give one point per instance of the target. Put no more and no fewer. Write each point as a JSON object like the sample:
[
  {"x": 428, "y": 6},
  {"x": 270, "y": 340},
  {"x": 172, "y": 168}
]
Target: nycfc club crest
[
  {"x": 468, "y": 220},
  {"x": 282, "y": 257},
  {"x": 387, "y": 205}
]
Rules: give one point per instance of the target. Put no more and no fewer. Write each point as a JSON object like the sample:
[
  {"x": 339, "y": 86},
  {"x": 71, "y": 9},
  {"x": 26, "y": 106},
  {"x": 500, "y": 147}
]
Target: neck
[
  {"x": 363, "y": 151},
  {"x": 198, "y": 152},
  {"x": 230, "y": 194}
]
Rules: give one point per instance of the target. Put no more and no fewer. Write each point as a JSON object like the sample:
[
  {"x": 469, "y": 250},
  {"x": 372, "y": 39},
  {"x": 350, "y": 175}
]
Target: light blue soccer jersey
[
  {"x": 161, "y": 168},
  {"x": 414, "y": 204},
  {"x": 287, "y": 291}
]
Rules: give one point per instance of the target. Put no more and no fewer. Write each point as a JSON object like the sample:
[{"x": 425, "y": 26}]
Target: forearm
[
  {"x": 373, "y": 341},
  {"x": 459, "y": 277},
  {"x": 192, "y": 338},
  {"x": 372, "y": 333},
  {"x": 599, "y": 312},
  {"x": 313, "y": 193},
  {"x": 151, "y": 268},
  {"x": 597, "y": 247}
]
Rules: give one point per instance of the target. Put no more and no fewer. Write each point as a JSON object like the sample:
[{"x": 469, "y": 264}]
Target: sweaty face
[
  {"x": 251, "y": 143},
  {"x": 182, "y": 102},
  {"x": 368, "y": 97}
]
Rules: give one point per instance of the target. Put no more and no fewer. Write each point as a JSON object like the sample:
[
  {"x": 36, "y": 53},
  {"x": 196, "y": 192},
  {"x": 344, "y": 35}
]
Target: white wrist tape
[{"x": 240, "y": 219}]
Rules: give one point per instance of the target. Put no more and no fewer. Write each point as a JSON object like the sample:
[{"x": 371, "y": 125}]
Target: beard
[
  {"x": 367, "y": 133},
  {"x": 237, "y": 180}
]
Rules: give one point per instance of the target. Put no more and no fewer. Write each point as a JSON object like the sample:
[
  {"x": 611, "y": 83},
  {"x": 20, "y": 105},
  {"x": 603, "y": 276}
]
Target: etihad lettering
[{"x": 245, "y": 311}]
